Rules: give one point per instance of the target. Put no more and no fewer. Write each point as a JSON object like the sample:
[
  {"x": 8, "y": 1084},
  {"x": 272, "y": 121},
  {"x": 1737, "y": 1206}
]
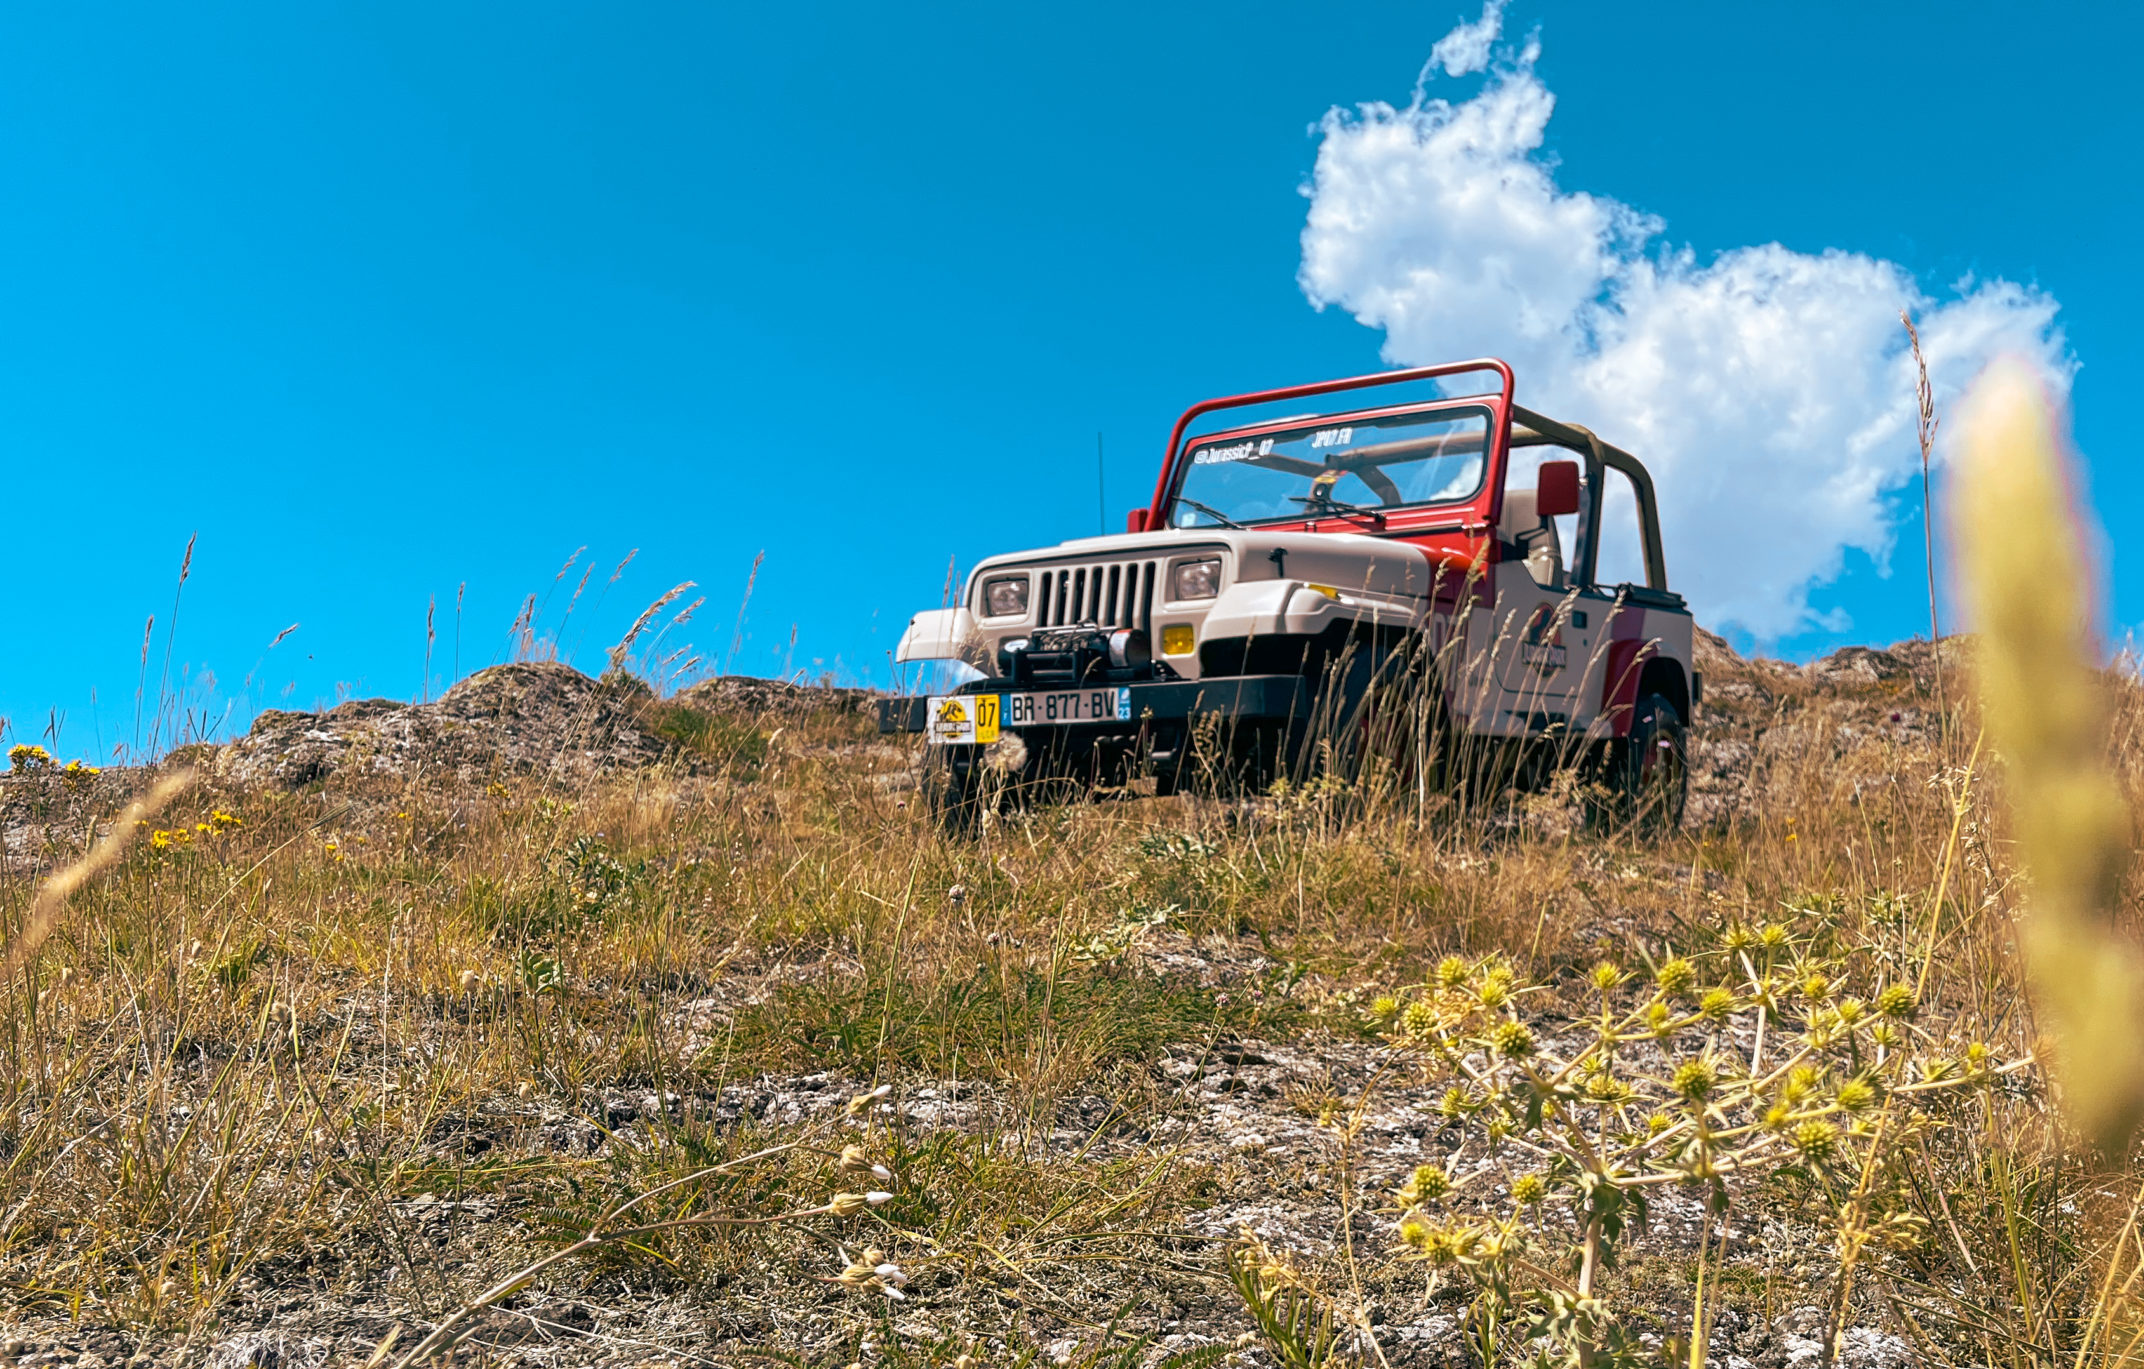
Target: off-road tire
[
  {"x": 1386, "y": 713},
  {"x": 1648, "y": 772},
  {"x": 952, "y": 793}
]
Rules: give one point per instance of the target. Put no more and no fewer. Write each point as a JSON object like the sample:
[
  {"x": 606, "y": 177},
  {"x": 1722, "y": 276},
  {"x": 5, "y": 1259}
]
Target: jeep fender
[
  {"x": 1295, "y": 608},
  {"x": 942, "y": 634}
]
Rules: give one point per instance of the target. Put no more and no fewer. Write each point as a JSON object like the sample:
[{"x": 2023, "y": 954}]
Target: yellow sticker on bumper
[{"x": 963, "y": 719}]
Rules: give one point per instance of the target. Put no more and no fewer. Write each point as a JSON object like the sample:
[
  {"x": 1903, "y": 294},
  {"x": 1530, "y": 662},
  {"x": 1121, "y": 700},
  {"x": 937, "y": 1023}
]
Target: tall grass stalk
[{"x": 2031, "y": 589}]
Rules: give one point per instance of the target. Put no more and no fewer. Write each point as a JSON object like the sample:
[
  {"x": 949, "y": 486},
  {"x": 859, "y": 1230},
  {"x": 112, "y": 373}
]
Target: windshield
[{"x": 1378, "y": 463}]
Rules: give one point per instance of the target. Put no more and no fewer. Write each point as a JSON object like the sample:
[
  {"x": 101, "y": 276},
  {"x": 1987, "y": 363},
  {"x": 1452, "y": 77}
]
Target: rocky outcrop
[
  {"x": 750, "y": 695},
  {"x": 1766, "y": 724},
  {"x": 529, "y": 718}
]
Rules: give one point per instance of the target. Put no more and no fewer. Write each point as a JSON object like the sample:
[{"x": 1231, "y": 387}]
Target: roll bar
[{"x": 1529, "y": 429}]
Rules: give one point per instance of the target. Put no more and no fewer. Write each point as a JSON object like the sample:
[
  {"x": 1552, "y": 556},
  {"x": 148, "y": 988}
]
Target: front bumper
[{"x": 1249, "y": 698}]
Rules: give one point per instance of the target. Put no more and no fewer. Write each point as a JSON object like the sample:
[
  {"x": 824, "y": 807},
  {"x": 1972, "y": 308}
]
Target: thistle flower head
[
  {"x": 1419, "y": 1020},
  {"x": 1716, "y": 1004},
  {"x": 1528, "y": 1189},
  {"x": 1676, "y": 976},
  {"x": 1512, "y": 1040},
  {"x": 1855, "y": 1095},
  {"x": 1452, "y": 972},
  {"x": 1897, "y": 1003},
  {"x": 1605, "y": 976},
  {"x": 1817, "y": 1140},
  {"x": 1694, "y": 1080},
  {"x": 1427, "y": 1184}
]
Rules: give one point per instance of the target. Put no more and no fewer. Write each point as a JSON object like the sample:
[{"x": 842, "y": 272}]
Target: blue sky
[{"x": 381, "y": 300}]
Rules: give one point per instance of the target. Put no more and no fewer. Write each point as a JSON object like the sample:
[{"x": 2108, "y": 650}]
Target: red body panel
[{"x": 1628, "y": 651}]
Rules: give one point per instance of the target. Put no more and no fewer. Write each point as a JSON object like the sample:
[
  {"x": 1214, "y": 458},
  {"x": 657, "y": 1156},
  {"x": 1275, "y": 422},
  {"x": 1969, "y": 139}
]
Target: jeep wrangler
[{"x": 1341, "y": 591}]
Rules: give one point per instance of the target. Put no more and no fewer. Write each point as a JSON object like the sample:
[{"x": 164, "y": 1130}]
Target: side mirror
[
  {"x": 1557, "y": 492},
  {"x": 1140, "y": 520}
]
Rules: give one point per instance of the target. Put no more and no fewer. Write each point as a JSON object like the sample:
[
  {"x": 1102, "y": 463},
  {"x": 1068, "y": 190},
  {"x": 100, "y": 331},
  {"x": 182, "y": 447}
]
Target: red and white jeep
[{"x": 1423, "y": 589}]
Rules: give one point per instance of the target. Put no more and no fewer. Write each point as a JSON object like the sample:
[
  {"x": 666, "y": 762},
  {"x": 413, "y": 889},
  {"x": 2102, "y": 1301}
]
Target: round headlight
[
  {"x": 1005, "y": 598},
  {"x": 1195, "y": 579}
]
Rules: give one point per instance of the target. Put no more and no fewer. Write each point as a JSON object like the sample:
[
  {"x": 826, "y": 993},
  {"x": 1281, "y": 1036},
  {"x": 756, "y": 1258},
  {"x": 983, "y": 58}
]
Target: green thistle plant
[{"x": 1613, "y": 1130}]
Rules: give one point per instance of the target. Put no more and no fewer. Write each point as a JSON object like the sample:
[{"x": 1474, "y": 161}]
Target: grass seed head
[{"x": 2030, "y": 589}]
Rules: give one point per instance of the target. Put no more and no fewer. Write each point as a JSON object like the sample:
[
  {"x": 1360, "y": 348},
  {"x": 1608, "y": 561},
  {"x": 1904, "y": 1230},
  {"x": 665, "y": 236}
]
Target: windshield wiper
[
  {"x": 1211, "y": 512},
  {"x": 1326, "y": 503}
]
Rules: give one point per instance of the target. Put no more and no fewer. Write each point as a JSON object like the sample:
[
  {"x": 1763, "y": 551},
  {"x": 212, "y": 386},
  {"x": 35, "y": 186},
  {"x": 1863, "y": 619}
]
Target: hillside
[{"x": 402, "y": 998}]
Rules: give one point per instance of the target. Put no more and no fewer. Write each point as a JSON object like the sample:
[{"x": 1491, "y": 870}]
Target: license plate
[
  {"x": 1068, "y": 706},
  {"x": 976, "y": 719}
]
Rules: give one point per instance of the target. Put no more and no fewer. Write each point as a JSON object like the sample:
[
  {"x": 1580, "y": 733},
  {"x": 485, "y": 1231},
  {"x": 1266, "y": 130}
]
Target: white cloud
[
  {"x": 1769, "y": 391},
  {"x": 1466, "y": 48}
]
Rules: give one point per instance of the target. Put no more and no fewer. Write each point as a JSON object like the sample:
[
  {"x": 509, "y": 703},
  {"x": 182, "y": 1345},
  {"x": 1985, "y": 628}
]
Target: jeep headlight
[
  {"x": 1005, "y": 598},
  {"x": 1196, "y": 579}
]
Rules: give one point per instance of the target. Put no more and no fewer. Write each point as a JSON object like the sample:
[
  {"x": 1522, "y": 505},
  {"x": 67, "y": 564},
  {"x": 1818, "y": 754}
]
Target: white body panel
[
  {"x": 1535, "y": 659},
  {"x": 1271, "y": 582},
  {"x": 943, "y": 634}
]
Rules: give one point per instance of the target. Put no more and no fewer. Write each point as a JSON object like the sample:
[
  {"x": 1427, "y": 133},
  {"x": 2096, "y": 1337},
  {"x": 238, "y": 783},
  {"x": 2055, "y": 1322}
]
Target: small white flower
[
  {"x": 891, "y": 1273},
  {"x": 878, "y": 1197}
]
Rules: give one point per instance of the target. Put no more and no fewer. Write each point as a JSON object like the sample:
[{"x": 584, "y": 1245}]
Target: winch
[{"x": 1081, "y": 653}]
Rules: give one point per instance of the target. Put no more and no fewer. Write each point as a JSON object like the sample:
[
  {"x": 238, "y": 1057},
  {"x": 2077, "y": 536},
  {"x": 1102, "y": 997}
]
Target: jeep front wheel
[{"x": 952, "y": 791}]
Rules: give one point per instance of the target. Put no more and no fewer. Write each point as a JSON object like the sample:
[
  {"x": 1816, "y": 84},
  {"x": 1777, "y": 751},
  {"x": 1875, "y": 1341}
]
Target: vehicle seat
[{"x": 1535, "y": 537}]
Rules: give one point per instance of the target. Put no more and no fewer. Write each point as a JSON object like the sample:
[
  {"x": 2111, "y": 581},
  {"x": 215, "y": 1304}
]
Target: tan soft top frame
[{"x": 1529, "y": 429}]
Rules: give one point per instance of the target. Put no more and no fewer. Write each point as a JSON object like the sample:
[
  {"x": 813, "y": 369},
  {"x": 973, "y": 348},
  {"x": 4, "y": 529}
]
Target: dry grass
[{"x": 350, "y": 1063}]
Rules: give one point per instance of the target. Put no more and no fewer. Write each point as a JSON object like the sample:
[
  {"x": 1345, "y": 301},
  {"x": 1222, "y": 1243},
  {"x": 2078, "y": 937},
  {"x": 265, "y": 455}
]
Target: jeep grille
[{"x": 1107, "y": 594}]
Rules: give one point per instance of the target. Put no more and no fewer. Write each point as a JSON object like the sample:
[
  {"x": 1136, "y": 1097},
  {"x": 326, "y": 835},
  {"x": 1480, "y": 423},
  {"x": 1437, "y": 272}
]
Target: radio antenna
[{"x": 1101, "y": 501}]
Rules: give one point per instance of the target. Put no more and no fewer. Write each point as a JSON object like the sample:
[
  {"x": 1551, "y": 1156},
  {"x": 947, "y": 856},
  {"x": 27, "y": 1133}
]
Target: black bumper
[{"x": 1274, "y": 698}]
